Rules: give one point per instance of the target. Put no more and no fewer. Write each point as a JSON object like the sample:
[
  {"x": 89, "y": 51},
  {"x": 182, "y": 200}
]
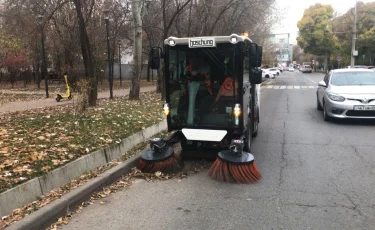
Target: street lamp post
[
  {"x": 354, "y": 37},
  {"x": 119, "y": 61},
  {"x": 44, "y": 63},
  {"x": 110, "y": 74}
]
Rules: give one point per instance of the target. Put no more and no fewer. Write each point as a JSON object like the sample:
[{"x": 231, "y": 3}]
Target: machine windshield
[{"x": 201, "y": 85}]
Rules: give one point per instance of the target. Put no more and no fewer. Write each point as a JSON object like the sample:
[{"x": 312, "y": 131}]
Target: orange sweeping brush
[
  {"x": 235, "y": 165},
  {"x": 159, "y": 157}
]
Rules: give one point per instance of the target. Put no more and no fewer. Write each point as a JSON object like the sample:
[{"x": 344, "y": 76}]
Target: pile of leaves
[{"x": 37, "y": 141}]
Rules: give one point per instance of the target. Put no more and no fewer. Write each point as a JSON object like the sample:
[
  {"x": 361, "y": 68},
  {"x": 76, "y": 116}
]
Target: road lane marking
[
  {"x": 288, "y": 87},
  {"x": 308, "y": 78}
]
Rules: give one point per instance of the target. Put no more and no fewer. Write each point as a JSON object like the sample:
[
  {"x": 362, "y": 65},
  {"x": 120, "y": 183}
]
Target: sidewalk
[
  {"x": 9, "y": 91},
  {"x": 48, "y": 102}
]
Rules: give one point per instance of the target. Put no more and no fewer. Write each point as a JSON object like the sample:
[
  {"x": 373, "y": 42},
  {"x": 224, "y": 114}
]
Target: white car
[
  {"x": 267, "y": 74},
  {"x": 291, "y": 69},
  {"x": 279, "y": 68},
  {"x": 274, "y": 71}
]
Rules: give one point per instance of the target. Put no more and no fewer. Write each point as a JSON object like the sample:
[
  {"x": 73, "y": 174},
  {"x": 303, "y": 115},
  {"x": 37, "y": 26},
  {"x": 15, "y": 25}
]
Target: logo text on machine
[{"x": 201, "y": 42}]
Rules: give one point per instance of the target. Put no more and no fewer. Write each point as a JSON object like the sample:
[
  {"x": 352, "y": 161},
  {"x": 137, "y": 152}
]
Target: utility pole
[
  {"x": 110, "y": 73},
  {"x": 44, "y": 62},
  {"x": 354, "y": 37},
  {"x": 119, "y": 61}
]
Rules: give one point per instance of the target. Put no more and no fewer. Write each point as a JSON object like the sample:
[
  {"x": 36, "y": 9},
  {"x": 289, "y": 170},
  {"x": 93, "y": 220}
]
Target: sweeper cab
[{"x": 212, "y": 91}]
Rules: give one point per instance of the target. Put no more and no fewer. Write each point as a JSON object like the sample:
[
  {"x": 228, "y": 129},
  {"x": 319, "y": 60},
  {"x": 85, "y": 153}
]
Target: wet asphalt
[{"x": 316, "y": 175}]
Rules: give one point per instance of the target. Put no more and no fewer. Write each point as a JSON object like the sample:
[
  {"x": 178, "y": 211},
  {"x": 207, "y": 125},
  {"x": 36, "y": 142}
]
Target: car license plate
[{"x": 364, "y": 107}]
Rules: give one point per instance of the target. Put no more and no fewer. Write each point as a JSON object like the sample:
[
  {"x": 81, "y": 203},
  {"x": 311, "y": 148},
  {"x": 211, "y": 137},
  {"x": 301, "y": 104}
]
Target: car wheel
[
  {"x": 325, "y": 115},
  {"x": 267, "y": 76},
  {"x": 277, "y": 74},
  {"x": 318, "y": 106}
]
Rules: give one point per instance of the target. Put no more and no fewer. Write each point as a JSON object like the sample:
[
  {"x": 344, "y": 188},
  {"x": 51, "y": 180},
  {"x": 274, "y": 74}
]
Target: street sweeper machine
[{"x": 212, "y": 104}]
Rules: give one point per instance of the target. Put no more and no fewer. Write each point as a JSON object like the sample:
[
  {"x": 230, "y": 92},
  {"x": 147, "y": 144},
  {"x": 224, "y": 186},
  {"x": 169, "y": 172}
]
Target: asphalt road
[{"x": 316, "y": 175}]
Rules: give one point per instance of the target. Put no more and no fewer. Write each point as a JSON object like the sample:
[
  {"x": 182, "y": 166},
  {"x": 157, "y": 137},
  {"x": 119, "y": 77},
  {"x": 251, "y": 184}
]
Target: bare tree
[
  {"x": 87, "y": 53},
  {"x": 137, "y": 50}
]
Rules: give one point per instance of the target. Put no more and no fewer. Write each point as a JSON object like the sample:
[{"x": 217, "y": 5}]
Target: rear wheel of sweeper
[
  {"x": 248, "y": 136},
  {"x": 255, "y": 126}
]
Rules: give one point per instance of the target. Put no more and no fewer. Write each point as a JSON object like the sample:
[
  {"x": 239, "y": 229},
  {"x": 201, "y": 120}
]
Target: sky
[{"x": 292, "y": 12}]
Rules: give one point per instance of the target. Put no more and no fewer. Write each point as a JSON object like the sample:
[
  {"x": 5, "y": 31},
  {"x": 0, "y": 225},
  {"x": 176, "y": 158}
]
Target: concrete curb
[
  {"x": 45, "y": 216},
  {"x": 33, "y": 189}
]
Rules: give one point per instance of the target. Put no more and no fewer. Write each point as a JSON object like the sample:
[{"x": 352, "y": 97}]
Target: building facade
[{"x": 283, "y": 49}]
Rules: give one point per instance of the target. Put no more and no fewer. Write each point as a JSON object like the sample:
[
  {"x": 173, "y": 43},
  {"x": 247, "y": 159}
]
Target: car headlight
[{"x": 335, "y": 97}]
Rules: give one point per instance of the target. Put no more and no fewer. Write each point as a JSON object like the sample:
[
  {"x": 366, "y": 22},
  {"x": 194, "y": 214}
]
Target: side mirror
[
  {"x": 322, "y": 84},
  {"x": 256, "y": 77},
  {"x": 253, "y": 55},
  {"x": 259, "y": 56},
  {"x": 155, "y": 58}
]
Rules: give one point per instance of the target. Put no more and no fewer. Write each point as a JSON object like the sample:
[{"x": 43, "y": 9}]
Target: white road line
[
  {"x": 312, "y": 87},
  {"x": 270, "y": 87},
  {"x": 297, "y": 87},
  {"x": 283, "y": 87},
  {"x": 310, "y": 79}
]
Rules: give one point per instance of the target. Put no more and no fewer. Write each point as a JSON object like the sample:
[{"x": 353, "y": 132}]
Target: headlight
[
  {"x": 237, "y": 110},
  {"x": 166, "y": 109},
  {"x": 335, "y": 97},
  {"x": 172, "y": 42}
]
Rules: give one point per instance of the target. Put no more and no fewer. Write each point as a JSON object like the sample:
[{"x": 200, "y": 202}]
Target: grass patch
[
  {"x": 37, "y": 141},
  {"x": 20, "y": 213}
]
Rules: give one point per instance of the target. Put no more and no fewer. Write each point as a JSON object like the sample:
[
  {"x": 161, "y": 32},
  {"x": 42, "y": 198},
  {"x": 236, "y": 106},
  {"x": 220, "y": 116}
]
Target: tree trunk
[
  {"x": 326, "y": 62},
  {"x": 137, "y": 52},
  {"x": 87, "y": 55}
]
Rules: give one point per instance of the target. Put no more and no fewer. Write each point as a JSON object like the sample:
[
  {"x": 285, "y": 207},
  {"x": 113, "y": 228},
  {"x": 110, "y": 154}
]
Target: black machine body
[{"x": 212, "y": 90}]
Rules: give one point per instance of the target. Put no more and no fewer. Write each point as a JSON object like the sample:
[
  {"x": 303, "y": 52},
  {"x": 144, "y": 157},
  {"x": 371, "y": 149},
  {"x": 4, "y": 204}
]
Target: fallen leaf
[
  {"x": 41, "y": 138},
  {"x": 3, "y": 132}
]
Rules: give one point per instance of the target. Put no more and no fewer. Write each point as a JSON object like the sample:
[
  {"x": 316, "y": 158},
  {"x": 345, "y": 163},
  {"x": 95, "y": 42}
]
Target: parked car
[
  {"x": 274, "y": 70},
  {"x": 347, "y": 93},
  {"x": 267, "y": 74},
  {"x": 291, "y": 69},
  {"x": 279, "y": 68},
  {"x": 305, "y": 69},
  {"x": 357, "y": 67}
]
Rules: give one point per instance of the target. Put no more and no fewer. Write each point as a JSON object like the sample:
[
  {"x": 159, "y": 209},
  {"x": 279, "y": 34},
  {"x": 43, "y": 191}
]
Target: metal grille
[{"x": 353, "y": 113}]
